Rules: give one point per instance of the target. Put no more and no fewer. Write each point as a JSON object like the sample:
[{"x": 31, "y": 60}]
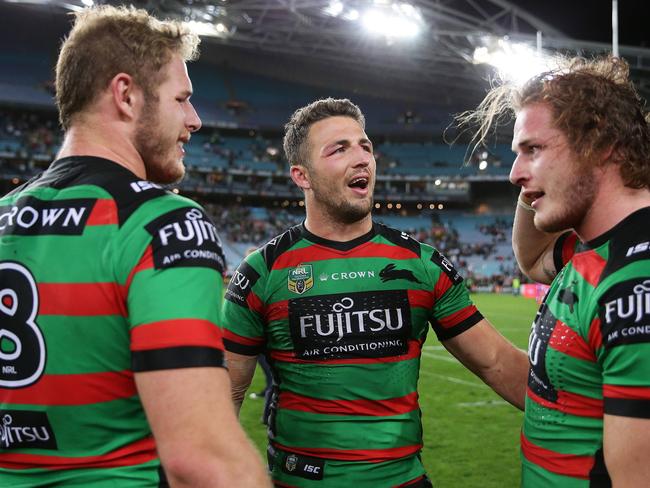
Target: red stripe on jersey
[
  {"x": 176, "y": 333},
  {"x": 254, "y": 303},
  {"x": 569, "y": 247},
  {"x": 377, "y": 408},
  {"x": 139, "y": 452},
  {"x": 413, "y": 352},
  {"x": 104, "y": 212},
  {"x": 78, "y": 299},
  {"x": 626, "y": 392},
  {"x": 314, "y": 253},
  {"x": 442, "y": 285},
  {"x": 146, "y": 262},
  {"x": 277, "y": 311},
  {"x": 564, "y": 464},
  {"x": 571, "y": 403},
  {"x": 365, "y": 455},
  {"x": 590, "y": 265},
  {"x": 73, "y": 389},
  {"x": 245, "y": 341},
  {"x": 420, "y": 299},
  {"x": 595, "y": 336},
  {"x": 457, "y": 317},
  {"x": 564, "y": 339}
]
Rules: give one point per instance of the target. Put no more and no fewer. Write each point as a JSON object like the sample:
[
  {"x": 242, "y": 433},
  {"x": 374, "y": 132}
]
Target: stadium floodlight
[
  {"x": 351, "y": 15},
  {"x": 207, "y": 29},
  {"x": 382, "y": 22},
  {"x": 515, "y": 62},
  {"x": 393, "y": 20},
  {"x": 334, "y": 8}
]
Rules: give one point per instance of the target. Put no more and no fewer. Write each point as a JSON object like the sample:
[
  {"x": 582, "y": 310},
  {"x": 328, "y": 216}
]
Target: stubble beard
[
  {"x": 341, "y": 210},
  {"x": 154, "y": 150},
  {"x": 576, "y": 204}
]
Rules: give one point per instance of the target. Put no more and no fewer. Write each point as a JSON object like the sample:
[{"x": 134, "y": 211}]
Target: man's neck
[
  {"x": 90, "y": 139},
  {"x": 330, "y": 229},
  {"x": 613, "y": 203}
]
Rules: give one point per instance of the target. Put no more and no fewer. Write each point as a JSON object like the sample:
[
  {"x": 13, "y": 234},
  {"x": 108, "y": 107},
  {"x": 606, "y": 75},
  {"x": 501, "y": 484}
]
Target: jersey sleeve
[
  {"x": 623, "y": 321},
  {"x": 174, "y": 289},
  {"x": 453, "y": 311},
  {"x": 565, "y": 247},
  {"x": 243, "y": 314}
]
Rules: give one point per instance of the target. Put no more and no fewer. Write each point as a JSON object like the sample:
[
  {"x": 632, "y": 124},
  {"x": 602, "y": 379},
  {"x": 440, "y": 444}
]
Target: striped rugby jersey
[
  {"x": 589, "y": 351},
  {"x": 343, "y": 324},
  {"x": 101, "y": 275}
]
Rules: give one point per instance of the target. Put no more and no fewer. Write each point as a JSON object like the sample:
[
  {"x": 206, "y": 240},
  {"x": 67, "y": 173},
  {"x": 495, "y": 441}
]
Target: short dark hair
[
  {"x": 593, "y": 102},
  {"x": 297, "y": 129}
]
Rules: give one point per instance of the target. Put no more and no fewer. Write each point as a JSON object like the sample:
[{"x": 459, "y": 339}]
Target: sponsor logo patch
[
  {"x": 446, "y": 267},
  {"x": 31, "y": 216},
  {"x": 186, "y": 237},
  {"x": 306, "y": 467},
  {"x": 300, "y": 279},
  {"x": 347, "y": 275},
  {"x": 353, "y": 325},
  {"x": 540, "y": 335},
  {"x": 624, "y": 313},
  {"x": 241, "y": 284},
  {"x": 26, "y": 429}
]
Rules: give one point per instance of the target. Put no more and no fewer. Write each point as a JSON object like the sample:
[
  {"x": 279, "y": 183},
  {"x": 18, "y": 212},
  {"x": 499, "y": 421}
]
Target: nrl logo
[
  {"x": 300, "y": 279},
  {"x": 291, "y": 462}
]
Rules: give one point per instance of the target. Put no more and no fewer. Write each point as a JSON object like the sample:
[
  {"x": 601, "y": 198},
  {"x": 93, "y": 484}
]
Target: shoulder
[
  {"x": 272, "y": 250},
  {"x": 399, "y": 238}
]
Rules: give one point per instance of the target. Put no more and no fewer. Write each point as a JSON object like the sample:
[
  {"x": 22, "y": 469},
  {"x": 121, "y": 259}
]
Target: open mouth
[
  {"x": 533, "y": 196},
  {"x": 360, "y": 182}
]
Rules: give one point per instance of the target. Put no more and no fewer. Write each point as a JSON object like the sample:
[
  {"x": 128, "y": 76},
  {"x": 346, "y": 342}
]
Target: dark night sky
[{"x": 591, "y": 20}]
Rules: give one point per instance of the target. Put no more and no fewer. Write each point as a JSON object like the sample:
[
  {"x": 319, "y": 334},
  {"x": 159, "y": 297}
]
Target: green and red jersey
[
  {"x": 102, "y": 275},
  {"x": 343, "y": 326},
  {"x": 589, "y": 351}
]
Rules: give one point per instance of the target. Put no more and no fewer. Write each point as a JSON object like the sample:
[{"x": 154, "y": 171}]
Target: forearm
[
  {"x": 509, "y": 376},
  {"x": 533, "y": 248},
  {"x": 492, "y": 358},
  {"x": 241, "y": 370}
]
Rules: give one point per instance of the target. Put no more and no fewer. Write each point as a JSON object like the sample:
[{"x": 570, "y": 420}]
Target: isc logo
[
  {"x": 643, "y": 246},
  {"x": 310, "y": 468}
]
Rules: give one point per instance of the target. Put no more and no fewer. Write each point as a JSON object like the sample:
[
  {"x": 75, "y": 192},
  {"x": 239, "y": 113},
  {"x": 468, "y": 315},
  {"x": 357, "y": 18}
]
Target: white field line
[
  {"x": 488, "y": 403},
  {"x": 453, "y": 379}
]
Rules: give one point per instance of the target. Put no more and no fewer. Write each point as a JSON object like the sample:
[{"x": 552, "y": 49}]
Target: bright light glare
[
  {"x": 207, "y": 29},
  {"x": 515, "y": 62},
  {"x": 482, "y": 165},
  {"x": 88, "y": 3},
  {"x": 334, "y": 8},
  {"x": 351, "y": 15},
  {"x": 378, "y": 22}
]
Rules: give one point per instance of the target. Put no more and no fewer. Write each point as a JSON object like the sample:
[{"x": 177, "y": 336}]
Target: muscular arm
[
  {"x": 241, "y": 369},
  {"x": 533, "y": 248},
  {"x": 199, "y": 440},
  {"x": 626, "y": 446},
  {"x": 492, "y": 358}
]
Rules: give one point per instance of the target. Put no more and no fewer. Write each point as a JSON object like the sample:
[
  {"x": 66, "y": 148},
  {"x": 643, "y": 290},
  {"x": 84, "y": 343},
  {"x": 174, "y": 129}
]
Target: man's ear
[
  {"x": 300, "y": 176},
  {"x": 126, "y": 96}
]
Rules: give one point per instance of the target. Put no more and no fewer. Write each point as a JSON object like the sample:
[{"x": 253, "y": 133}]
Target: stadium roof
[{"x": 318, "y": 41}]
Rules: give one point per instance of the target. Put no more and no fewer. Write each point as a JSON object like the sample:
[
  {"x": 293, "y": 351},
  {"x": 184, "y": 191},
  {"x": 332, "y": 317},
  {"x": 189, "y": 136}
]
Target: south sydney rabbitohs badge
[{"x": 300, "y": 279}]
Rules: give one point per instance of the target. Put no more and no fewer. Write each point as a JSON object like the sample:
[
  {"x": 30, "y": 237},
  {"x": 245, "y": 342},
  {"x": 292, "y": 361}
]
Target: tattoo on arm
[{"x": 550, "y": 272}]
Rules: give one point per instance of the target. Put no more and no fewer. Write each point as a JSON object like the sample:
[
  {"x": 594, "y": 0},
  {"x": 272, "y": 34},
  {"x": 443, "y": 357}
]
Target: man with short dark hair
[
  {"x": 582, "y": 142},
  {"x": 112, "y": 358},
  {"x": 341, "y": 307}
]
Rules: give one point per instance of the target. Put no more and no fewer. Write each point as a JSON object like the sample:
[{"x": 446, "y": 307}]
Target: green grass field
[{"x": 471, "y": 436}]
